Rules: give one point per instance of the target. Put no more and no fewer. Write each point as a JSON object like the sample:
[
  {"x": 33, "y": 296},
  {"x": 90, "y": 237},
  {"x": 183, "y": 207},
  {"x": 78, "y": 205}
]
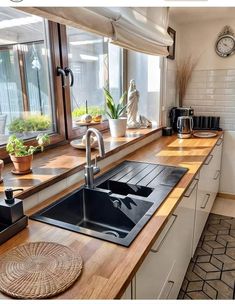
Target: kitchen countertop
[
  {"x": 55, "y": 164},
  {"x": 108, "y": 268}
]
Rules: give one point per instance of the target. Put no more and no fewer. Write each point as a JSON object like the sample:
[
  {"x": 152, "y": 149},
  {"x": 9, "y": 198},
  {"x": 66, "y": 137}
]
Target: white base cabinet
[{"x": 162, "y": 272}]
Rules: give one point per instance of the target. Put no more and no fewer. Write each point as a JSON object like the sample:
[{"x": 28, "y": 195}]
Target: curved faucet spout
[{"x": 90, "y": 170}]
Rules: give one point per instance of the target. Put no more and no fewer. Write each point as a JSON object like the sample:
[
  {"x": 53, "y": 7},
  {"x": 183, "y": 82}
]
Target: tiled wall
[{"x": 212, "y": 93}]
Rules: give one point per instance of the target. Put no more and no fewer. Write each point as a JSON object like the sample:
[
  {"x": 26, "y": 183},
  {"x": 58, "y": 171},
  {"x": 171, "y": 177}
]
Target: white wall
[{"x": 212, "y": 88}]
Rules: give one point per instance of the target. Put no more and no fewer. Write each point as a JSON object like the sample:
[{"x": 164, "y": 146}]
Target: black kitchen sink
[{"x": 122, "y": 202}]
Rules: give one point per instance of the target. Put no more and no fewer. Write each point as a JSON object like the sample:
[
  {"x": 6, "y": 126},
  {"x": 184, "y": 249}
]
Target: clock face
[{"x": 225, "y": 45}]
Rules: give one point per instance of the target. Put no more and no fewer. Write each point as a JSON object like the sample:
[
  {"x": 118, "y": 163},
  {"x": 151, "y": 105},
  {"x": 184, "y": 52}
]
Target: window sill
[{"x": 58, "y": 163}]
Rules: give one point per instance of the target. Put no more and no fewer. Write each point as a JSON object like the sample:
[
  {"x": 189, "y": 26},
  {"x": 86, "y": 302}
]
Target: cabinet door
[
  {"x": 157, "y": 265},
  {"x": 163, "y": 270},
  {"x": 207, "y": 190}
]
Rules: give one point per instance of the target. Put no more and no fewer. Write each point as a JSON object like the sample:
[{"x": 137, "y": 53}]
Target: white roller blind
[
  {"x": 78, "y": 17},
  {"x": 139, "y": 29}
]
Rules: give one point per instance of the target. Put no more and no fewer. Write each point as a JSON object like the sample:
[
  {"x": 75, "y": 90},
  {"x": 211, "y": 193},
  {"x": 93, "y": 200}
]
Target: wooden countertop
[
  {"x": 55, "y": 164},
  {"x": 108, "y": 268}
]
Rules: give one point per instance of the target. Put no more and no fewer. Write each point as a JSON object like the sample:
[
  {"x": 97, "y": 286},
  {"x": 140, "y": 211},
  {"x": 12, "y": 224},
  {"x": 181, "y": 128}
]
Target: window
[
  {"x": 95, "y": 64},
  {"x": 26, "y": 93},
  {"x": 33, "y": 97},
  {"x": 145, "y": 69}
]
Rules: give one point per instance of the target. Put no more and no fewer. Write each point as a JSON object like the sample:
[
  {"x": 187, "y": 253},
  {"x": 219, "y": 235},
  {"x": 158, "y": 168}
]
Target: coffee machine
[{"x": 177, "y": 112}]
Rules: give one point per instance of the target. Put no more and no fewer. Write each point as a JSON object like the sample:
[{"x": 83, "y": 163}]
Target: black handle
[
  {"x": 68, "y": 72},
  {"x": 61, "y": 72}
]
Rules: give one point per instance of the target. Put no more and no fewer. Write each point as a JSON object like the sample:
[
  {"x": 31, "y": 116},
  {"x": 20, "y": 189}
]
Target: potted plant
[
  {"x": 22, "y": 155},
  {"x": 117, "y": 123}
]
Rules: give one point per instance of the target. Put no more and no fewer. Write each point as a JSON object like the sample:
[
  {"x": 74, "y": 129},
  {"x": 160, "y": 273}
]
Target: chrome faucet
[{"x": 91, "y": 170}]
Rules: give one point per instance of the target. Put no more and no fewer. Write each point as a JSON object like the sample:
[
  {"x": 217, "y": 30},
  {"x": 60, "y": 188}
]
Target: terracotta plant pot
[
  {"x": 22, "y": 164},
  {"x": 1, "y": 169}
]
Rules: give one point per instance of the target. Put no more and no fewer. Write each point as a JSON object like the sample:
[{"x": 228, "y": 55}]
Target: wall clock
[{"x": 225, "y": 43}]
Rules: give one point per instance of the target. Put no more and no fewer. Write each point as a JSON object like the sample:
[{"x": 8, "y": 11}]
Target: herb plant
[
  {"x": 115, "y": 111},
  {"x": 16, "y": 147}
]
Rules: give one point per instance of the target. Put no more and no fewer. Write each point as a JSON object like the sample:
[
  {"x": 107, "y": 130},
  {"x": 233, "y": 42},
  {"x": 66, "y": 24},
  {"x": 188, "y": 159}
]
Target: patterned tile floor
[{"x": 211, "y": 273}]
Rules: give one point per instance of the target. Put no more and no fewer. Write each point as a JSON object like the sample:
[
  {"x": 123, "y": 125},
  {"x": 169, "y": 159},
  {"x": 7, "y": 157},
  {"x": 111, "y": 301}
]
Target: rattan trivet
[{"x": 38, "y": 270}]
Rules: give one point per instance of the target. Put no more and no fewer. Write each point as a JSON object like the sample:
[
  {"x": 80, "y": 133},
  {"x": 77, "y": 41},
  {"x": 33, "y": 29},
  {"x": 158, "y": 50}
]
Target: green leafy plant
[
  {"x": 30, "y": 123},
  {"x": 92, "y": 110},
  {"x": 15, "y": 146},
  {"x": 115, "y": 111}
]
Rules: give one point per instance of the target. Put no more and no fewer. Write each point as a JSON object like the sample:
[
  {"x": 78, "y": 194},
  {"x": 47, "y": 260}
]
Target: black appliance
[{"x": 177, "y": 112}]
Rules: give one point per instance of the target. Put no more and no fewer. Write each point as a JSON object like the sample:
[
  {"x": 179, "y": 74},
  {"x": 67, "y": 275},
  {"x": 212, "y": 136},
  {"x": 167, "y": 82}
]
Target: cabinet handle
[
  {"x": 206, "y": 199},
  {"x": 219, "y": 142},
  {"x": 208, "y": 160},
  {"x": 189, "y": 194},
  {"x": 173, "y": 218},
  {"x": 217, "y": 175},
  {"x": 171, "y": 284}
]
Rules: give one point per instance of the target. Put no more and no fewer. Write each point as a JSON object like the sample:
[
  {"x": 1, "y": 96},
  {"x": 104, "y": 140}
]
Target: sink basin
[
  {"x": 98, "y": 213},
  {"x": 123, "y": 201},
  {"x": 125, "y": 189}
]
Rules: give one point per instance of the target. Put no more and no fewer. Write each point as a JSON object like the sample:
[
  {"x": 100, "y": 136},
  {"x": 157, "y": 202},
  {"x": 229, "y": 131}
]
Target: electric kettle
[{"x": 184, "y": 126}]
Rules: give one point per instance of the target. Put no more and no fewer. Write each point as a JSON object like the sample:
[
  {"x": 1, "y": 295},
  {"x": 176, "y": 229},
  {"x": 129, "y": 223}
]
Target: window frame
[
  {"x": 79, "y": 131},
  {"x": 59, "y": 136}
]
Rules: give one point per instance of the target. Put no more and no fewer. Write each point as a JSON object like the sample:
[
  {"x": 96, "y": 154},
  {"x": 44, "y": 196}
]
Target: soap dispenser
[{"x": 11, "y": 209}]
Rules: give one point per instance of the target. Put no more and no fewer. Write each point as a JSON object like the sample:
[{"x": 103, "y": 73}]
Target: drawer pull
[
  {"x": 217, "y": 175},
  {"x": 208, "y": 160},
  {"x": 171, "y": 284},
  {"x": 173, "y": 218},
  {"x": 205, "y": 201},
  {"x": 219, "y": 142},
  {"x": 194, "y": 186}
]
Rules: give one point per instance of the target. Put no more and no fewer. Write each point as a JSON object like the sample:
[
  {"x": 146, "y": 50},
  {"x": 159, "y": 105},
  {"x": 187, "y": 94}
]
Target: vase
[
  {"x": 22, "y": 164},
  {"x": 118, "y": 127}
]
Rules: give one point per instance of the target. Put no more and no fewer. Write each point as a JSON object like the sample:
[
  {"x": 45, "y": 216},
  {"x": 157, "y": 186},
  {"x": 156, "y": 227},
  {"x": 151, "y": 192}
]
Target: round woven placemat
[{"x": 38, "y": 270}]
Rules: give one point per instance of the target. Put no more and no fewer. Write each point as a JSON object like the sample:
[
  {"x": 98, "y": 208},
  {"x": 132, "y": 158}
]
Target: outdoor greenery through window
[
  {"x": 95, "y": 64},
  {"x": 26, "y": 99}
]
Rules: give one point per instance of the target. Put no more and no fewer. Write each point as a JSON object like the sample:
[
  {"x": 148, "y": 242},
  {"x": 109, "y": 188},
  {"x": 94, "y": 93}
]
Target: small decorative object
[
  {"x": 225, "y": 43},
  {"x": 117, "y": 123},
  {"x": 22, "y": 155},
  {"x": 97, "y": 118},
  {"x": 132, "y": 106},
  {"x": 183, "y": 76},
  {"x": 135, "y": 121},
  {"x": 86, "y": 118},
  {"x": 1, "y": 170},
  {"x": 171, "y": 49},
  {"x": 38, "y": 270}
]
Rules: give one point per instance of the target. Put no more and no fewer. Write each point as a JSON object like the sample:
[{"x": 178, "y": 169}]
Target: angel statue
[{"x": 135, "y": 121}]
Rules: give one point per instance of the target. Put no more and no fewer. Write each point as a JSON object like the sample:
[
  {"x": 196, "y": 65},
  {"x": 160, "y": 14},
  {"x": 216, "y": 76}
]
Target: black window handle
[
  {"x": 61, "y": 72},
  {"x": 68, "y": 72}
]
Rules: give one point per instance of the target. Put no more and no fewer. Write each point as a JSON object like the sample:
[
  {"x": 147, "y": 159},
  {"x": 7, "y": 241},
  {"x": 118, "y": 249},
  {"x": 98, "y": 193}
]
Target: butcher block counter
[{"x": 109, "y": 268}]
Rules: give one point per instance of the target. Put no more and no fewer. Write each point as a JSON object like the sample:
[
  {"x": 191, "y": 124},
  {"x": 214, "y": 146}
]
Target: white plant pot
[{"x": 118, "y": 127}]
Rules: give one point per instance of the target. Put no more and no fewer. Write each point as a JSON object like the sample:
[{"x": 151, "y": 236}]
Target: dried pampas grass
[{"x": 183, "y": 76}]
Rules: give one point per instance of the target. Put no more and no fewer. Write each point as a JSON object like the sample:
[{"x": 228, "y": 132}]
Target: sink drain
[{"x": 111, "y": 232}]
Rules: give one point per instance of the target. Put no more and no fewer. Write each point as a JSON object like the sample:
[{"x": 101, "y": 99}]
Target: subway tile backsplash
[{"x": 212, "y": 93}]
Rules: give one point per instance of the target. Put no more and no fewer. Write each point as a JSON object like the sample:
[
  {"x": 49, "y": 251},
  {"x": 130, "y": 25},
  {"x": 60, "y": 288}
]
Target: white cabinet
[
  {"x": 208, "y": 186},
  {"x": 128, "y": 293},
  {"x": 162, "y": 272}
]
